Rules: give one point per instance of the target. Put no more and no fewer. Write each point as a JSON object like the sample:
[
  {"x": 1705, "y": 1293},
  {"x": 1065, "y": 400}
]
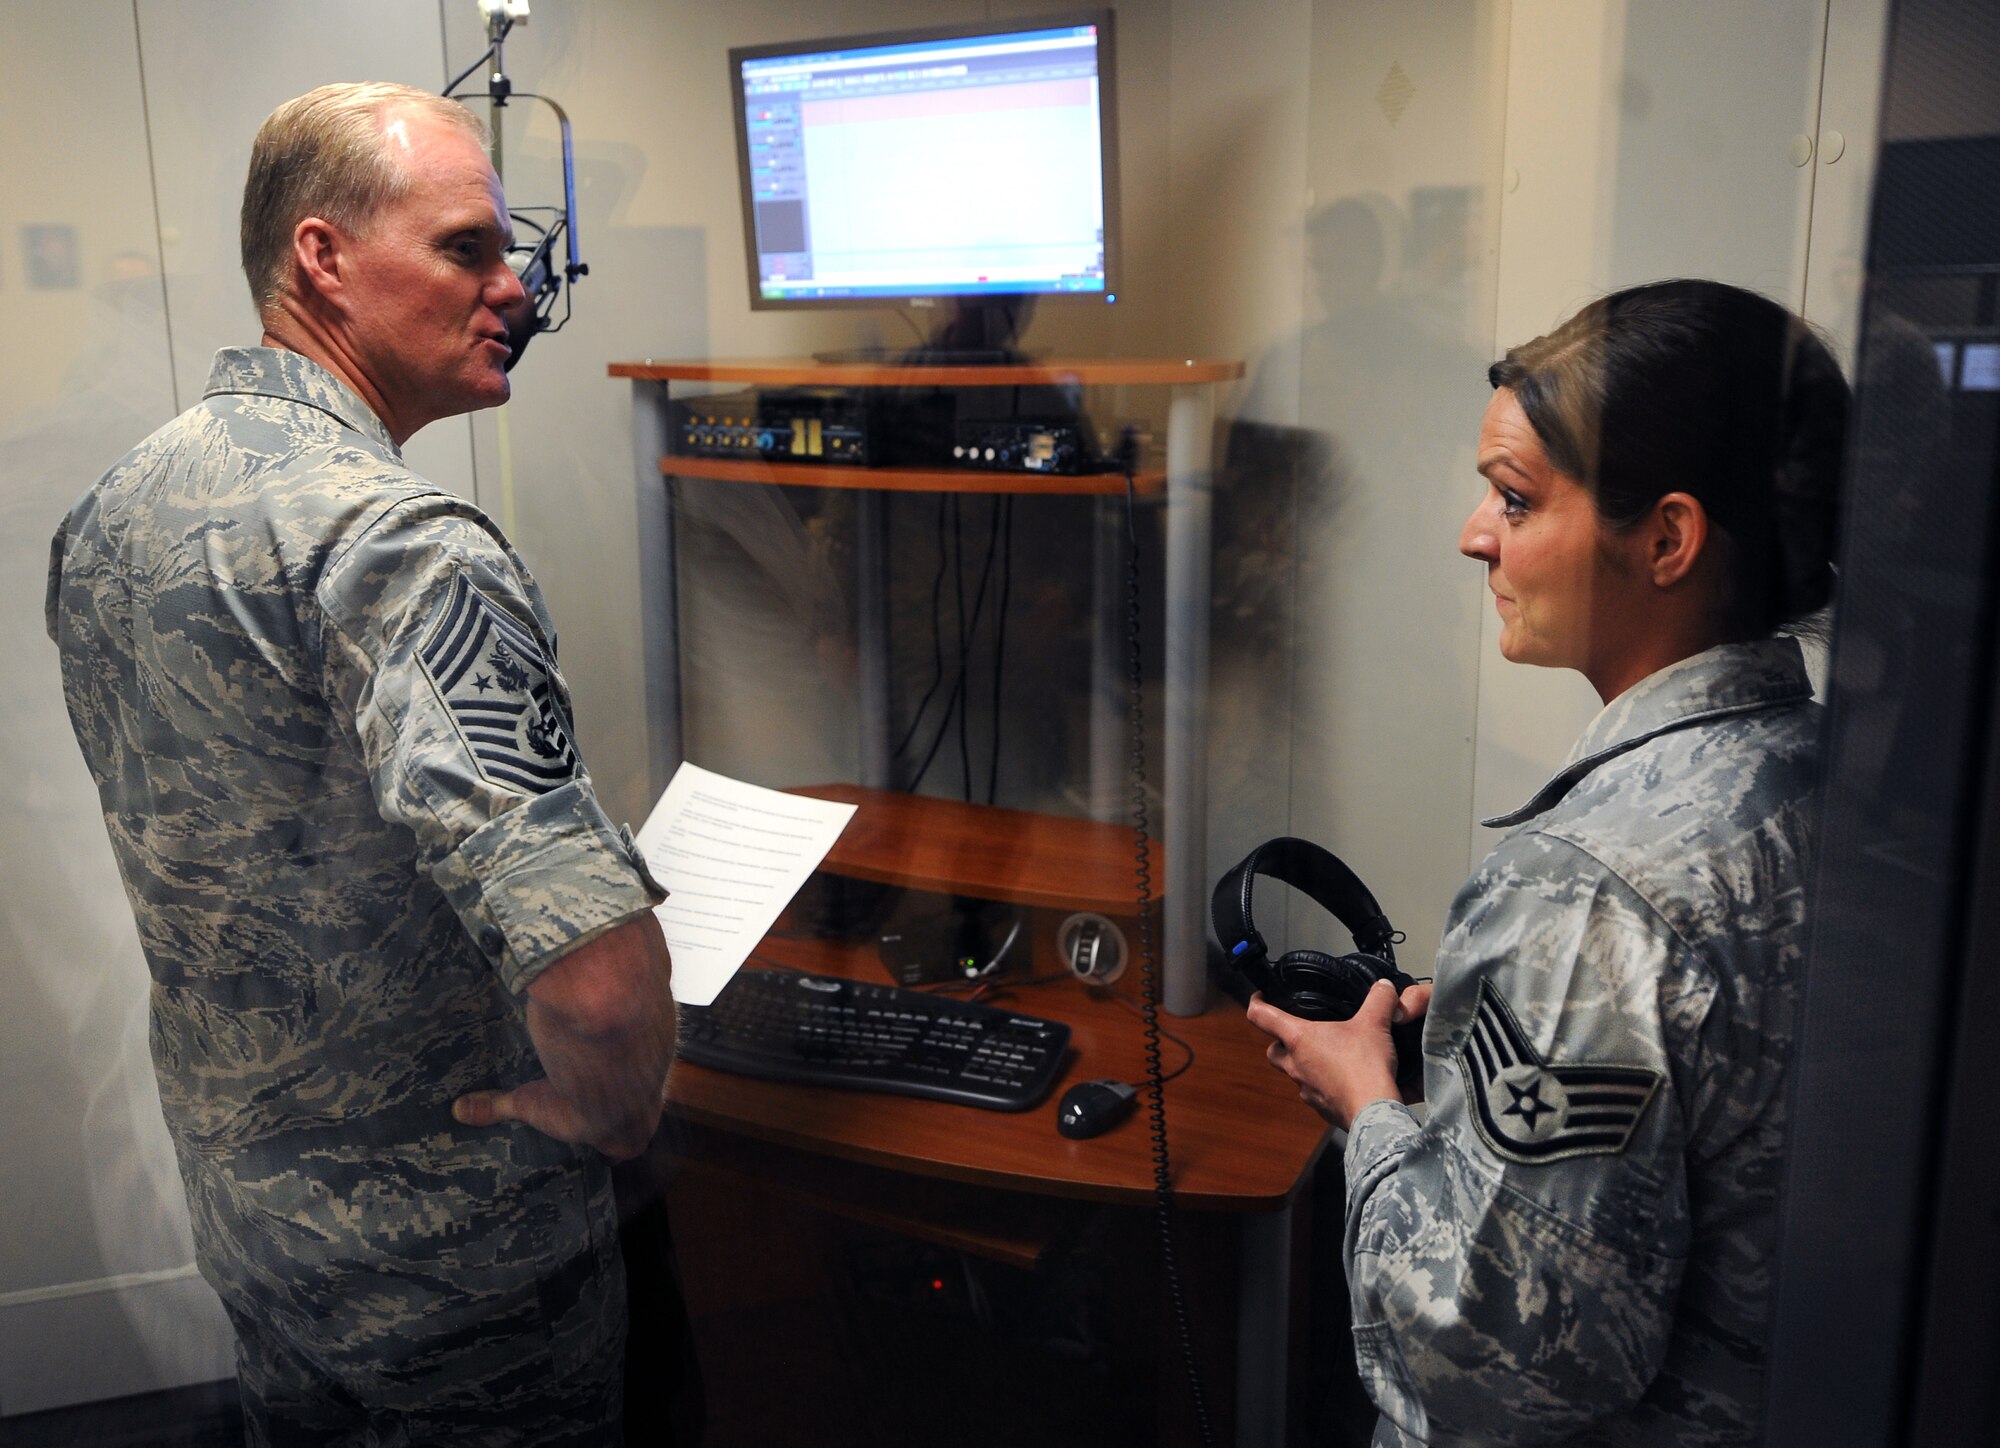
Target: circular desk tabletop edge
[
  {"x": 1262, "y": 1191},
  {"x": 803, "y": 371}
]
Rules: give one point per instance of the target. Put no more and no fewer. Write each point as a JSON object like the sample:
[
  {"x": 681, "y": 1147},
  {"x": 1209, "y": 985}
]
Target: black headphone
[{"x": 1308, "y": 983}]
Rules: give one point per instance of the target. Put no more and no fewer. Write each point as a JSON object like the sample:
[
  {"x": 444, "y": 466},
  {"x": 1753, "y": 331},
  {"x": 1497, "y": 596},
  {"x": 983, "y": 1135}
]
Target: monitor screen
[{"x": 961, "y": 162}]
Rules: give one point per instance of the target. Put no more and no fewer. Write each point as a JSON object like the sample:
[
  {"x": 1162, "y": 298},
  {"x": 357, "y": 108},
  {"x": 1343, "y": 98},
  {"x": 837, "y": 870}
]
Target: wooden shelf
[
  {"x": 1054, "y": 371},
  {"x": 905, "y": 480},
  {"x": 981, "y": 850}
]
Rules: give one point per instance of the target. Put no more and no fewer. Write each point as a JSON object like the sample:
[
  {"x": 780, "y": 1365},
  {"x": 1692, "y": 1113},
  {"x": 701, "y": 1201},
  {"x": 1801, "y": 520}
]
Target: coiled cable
[{"x": 1163, "y": 1177}]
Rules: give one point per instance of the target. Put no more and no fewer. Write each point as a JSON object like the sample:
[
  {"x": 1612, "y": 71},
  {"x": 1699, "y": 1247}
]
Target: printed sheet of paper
[{"x": 733, "y": 855}]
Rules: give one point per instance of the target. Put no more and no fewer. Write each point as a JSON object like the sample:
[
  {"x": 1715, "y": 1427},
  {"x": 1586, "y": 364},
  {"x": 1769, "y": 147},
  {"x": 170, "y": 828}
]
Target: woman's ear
[{"x": 1677, "y": 537}]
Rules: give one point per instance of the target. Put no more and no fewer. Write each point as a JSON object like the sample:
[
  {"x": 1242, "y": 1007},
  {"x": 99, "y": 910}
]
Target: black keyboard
[{"x": 825, "y": 1031}]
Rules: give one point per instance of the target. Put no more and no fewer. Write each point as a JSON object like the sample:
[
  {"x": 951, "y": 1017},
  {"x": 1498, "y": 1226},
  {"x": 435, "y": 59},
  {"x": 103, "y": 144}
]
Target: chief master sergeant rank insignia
[
  {"x": 490, "y": 673},
  {"x": 1532, "y": 1112}
]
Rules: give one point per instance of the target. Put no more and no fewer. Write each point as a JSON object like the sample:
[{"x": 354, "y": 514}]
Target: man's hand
[
  {"x": 602, "y": 1020},
  {"x": 538, "y": 1104},
  {"x": 1340, "y": 1066}
]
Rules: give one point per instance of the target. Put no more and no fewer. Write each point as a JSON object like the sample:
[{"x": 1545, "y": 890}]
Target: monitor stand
[{"x": 980, "y": 332}]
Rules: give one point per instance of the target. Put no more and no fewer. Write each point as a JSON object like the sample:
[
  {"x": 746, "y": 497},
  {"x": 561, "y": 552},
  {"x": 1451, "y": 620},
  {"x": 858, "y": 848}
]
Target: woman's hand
[
  {"x": 1340, "y": 1066},
  {"x": 1413, "y": 1005}
]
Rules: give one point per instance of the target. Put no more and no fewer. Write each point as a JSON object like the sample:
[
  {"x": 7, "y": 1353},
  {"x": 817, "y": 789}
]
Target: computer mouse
[{"x": 1091, "y": 1108}]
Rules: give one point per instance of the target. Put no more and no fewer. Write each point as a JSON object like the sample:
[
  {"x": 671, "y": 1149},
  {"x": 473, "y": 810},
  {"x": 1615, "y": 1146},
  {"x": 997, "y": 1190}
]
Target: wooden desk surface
[{"x": 1240, "y": 1138}]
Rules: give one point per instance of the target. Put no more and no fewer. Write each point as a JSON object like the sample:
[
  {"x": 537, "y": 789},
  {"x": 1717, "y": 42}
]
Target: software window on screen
[{"x": 948, "y": 166}]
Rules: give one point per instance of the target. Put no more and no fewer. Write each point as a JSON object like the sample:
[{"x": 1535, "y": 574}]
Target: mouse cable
[
  {"x": 1000, "y": 955},
  {"x": 1149, "y": 959}
]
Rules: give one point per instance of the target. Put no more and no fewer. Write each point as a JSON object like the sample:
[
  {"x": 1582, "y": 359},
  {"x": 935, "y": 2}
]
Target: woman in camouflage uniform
[{"x": 1575, "y": 1244}]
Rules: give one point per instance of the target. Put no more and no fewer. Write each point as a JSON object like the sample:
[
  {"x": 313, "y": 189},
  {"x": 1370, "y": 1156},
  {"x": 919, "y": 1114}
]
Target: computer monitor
[{"x": 970, "y": 163}]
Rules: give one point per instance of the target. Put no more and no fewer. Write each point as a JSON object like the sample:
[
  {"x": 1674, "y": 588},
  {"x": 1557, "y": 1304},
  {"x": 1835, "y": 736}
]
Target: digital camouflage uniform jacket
[
  {"x": 320, "y": 701},
  {"x": 1575, "y": 1247}
]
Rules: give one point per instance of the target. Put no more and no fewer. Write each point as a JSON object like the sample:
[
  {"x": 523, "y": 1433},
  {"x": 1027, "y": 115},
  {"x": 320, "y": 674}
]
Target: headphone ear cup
[
  {"x": 1320, "y": 987},
  {"x": 1380, "y": 969}
]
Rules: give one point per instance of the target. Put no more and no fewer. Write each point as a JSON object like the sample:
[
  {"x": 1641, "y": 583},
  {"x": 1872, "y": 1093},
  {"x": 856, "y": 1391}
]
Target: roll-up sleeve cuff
[
  {"x": 543, "y": 878},
  {"x": 1382, "y": 1131}
]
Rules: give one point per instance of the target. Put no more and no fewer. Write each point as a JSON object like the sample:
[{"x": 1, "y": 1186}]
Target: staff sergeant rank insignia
[
  {"x": 1532, "y": 1112},
  {"x": 491, "y": 675}
]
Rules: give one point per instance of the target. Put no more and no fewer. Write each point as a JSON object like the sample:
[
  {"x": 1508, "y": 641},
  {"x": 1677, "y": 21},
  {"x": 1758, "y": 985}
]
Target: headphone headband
[
  {"x": 1308, "y": 983},
  {"x": 1307, "y": 867}
]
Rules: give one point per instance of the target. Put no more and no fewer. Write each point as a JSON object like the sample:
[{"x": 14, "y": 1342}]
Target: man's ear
[
  {"x": 320, "y": 256},
  {"x": 1677, "y": 538}
]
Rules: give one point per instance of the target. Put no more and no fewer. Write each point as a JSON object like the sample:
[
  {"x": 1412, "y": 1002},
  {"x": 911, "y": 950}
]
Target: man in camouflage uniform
[
  {"x": 1575, "y": 1245},
  {"x": 409, "y": 993}
]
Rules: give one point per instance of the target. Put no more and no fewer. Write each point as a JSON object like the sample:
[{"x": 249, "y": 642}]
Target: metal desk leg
[
  {"x": 1184, "y": 777},
  {"x": 659, "y": 603},
  {"x": 1263, "y": 1329}
]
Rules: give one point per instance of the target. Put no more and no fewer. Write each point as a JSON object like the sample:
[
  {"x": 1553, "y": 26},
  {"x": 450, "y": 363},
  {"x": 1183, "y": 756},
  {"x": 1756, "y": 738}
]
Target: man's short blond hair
[{"x": 323, "y": 154}]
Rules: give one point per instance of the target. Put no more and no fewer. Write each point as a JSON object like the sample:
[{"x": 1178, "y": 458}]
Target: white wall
[
  {"x": 1408, "y": 103},
  {"x": 1366, "y": 200},
  {"x": 95, "y": 1289}
]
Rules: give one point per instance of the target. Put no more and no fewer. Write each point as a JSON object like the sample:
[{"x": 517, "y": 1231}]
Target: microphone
[{"x": 530, "y": 314}]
